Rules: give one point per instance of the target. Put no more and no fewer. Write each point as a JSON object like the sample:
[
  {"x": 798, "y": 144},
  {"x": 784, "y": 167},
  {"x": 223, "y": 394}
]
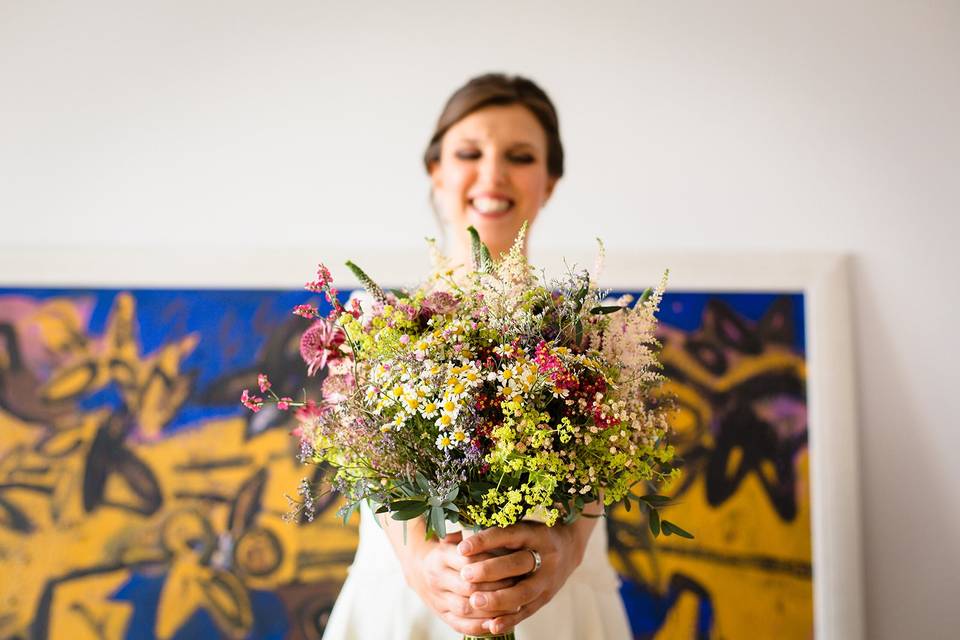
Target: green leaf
[
  {"x": 670, "y": 528},
  {"x": 435, "y": 501},
  {"x": 655, "y": 500},
  {"x": 646, "y": 294},
  {"x": 352, "y": 509},
  {"x": 438, "y": 522},
  {"x": 423, "y": 483},
  {"x": 626, "y": 503},
  {"x": 655, "y": 522},
  {"x": 605, "y": 309},
  {"x": 382, "y": 509},
  {"x": 409, "y": 514},
  {"x": 481, "y": 254},
  {"x": 452, "y": 494},
  {"x": 405, "y": 504}
]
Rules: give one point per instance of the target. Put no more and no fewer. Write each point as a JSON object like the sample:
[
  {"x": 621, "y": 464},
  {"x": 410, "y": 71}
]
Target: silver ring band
[{"x": 536, "y": 562}]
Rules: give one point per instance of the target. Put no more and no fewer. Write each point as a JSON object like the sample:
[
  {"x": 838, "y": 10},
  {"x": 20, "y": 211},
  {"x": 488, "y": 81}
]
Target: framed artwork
[{"x": 138, "y": 499}]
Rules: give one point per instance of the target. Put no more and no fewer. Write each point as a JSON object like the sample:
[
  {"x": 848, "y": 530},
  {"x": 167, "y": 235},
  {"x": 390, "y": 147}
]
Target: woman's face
[{"x": 492, "y": 174}]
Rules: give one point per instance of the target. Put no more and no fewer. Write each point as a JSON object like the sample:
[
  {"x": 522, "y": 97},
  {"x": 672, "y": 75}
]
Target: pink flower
[
  {"x": 322, "y": 282},
  {"x": 336, "y": 388},
  {"x": 254, "y": 403},
  {"x": 310, "y": 412},
  {"x": 306, "y": 310},
  {"x": 355, "y": 310},
  {"x": 321, "y": 344},
  {"x": 264, "y": 382},
  {"x": 440, "y": 302}
]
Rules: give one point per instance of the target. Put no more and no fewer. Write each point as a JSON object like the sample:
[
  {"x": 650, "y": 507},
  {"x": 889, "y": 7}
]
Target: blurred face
[{"x": 492, "y": 174}]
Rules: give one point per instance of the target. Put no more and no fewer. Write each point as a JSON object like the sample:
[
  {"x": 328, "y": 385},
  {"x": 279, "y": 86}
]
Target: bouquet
[{"x": 485, "y": 398}]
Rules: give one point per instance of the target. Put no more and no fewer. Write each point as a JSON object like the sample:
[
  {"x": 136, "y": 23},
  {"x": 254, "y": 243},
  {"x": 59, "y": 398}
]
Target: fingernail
[
  {"x": 466, "y": 573},
  {"x": 486, "y": 625},
  {"x": 479, "y": 600},
  {"x": 465, "y": 546}
]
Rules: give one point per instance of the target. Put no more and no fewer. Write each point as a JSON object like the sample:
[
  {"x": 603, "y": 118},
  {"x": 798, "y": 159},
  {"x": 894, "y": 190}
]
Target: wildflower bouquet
[{"x": 485, "y": 399}]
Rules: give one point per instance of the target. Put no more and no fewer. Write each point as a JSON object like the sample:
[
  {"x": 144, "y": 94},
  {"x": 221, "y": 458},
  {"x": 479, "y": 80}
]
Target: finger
[
  {"x": 465, "y": 626},
  {"x": 458, "y": 561},
  {"x": 521, "y": 594},
  {"x": 449, "y": 580},
  {"x": 461, "y": 608},
  {"x": 510, "y": 620},
  {"x": 488, "y": 540},
  {"x": 512, "y": 565}
]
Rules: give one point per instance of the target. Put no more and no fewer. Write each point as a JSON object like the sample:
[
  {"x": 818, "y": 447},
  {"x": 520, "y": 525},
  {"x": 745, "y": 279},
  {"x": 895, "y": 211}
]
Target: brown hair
[{"x": 500, "y": 89}]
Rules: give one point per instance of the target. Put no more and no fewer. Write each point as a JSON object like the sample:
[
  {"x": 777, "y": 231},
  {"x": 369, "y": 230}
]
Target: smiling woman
[{"x": 493, "y": 162}]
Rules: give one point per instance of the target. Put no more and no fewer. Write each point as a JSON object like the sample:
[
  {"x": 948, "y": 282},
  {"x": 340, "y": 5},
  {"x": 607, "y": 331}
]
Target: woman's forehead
[{"x": 509, "y": 124}]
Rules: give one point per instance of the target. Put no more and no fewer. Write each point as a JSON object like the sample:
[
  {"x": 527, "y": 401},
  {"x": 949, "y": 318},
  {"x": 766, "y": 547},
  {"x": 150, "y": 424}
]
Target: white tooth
[{"x": 490, "y": 205}]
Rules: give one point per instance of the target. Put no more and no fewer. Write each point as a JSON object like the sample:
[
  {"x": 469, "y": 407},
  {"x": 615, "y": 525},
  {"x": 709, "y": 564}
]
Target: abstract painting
[{"x": 139, "y": 500}]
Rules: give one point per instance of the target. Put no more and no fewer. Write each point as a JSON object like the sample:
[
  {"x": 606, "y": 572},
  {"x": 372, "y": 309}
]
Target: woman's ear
[
  {"x": 435, "y": 176},
  {"x": 551, "y": 183}
]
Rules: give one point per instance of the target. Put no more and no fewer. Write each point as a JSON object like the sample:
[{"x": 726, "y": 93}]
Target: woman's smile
[{"x": 491, "y": 204}]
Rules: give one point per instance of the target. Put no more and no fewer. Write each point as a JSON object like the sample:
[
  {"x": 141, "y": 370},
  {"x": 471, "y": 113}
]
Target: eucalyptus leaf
[
  {"x": 655, "y": 523},
  {"x": 424, "y": 484},
  {"x": 409, "y": 514},
  {"x": 655, "y": 500},
  {"x": 670, "y": 528},
  {"x": 405, "y": 504},
  {"x": 438, "y": 522}
]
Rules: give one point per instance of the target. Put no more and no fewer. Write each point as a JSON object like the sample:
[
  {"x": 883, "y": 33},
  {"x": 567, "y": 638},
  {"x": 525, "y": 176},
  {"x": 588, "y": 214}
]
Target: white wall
[{"x": 696, "y": 125}]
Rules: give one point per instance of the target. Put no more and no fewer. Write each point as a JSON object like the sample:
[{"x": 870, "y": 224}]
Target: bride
[{"x": 493, "y": 162}]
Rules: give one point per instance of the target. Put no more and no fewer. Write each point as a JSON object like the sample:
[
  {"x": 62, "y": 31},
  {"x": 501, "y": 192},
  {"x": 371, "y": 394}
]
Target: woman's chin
[{"x": 496, "y": 229}]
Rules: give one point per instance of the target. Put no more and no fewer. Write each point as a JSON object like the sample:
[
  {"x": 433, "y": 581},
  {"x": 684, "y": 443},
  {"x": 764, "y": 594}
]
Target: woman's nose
[{"x": 494, "y": 169}]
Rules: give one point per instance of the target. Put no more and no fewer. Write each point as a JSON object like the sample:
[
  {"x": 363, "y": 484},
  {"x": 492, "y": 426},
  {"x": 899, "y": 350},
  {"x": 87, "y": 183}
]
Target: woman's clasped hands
[{"x": 489, "y": 582}]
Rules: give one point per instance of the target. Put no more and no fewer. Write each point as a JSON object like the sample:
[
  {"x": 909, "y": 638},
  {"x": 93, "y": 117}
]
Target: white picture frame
[{"x": 822, "y": 278}]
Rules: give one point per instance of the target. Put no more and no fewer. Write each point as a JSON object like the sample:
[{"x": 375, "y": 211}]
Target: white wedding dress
[{"x": 376, "y": 603}]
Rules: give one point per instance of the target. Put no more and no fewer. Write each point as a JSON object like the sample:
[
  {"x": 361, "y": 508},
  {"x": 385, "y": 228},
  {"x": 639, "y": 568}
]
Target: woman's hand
[
  {"x": 432, "y": 569},
  {"x": 561, "y": 550}
]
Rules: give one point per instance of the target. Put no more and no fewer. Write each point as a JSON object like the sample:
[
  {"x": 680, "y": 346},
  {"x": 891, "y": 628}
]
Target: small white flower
[{"x": 444, "y": 441}]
